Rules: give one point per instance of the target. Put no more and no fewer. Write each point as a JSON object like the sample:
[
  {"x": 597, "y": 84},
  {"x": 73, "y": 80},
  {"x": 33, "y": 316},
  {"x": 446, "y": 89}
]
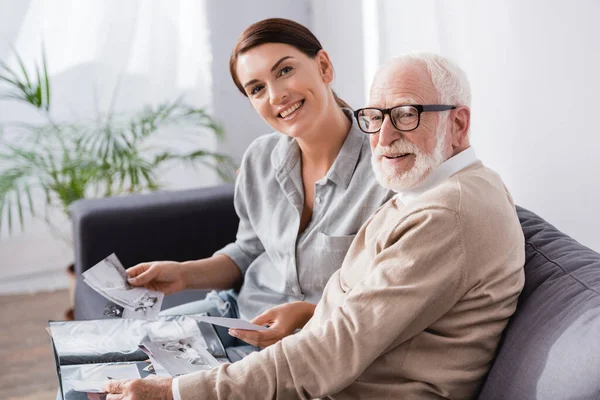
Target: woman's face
[{"x": 287, "y": 88}]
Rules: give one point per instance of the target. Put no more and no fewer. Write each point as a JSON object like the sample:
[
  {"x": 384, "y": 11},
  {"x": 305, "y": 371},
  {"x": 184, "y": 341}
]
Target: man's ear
[
  {"x": 460, "y": 126},
  {"x": 325, "y": 66}
]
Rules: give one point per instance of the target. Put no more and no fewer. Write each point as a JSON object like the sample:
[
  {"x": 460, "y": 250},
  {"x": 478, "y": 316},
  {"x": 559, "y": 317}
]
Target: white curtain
[
  {"x": 130, "y": 52},
  {"x": 108, "y": 55},
  {"x": 533, "y": 67}
]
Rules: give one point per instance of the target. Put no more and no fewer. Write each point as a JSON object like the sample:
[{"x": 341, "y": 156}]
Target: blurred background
[{"x": 119, "y": 67}]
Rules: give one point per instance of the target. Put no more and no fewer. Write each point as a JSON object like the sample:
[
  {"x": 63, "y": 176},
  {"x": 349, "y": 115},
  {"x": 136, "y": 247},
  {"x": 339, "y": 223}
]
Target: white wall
[
  {"x": 338, "y": 26},
  {"x": 533, "y": 67}
]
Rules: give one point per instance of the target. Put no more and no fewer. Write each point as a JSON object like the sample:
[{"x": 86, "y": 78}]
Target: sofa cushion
[{"x": 551, "y": 347}]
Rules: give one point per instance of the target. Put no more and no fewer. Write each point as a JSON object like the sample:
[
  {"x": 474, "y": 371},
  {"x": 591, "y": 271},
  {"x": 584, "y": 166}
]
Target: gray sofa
[{"x": 550, "y": 349}]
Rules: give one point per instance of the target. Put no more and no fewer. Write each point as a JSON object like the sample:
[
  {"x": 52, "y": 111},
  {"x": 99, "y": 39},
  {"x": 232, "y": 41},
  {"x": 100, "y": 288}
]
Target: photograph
[
  {"x": 148, "y": 307},
  {"x": 181, "y": 356},
  {"x": 113, "y": 310},
  {"x": 108, "y": 278}
]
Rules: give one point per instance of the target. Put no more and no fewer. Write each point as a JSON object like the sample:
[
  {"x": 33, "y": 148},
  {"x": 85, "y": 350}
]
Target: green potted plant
[
  {"x": 56, "y": 163},
  {"x": 70, "y": 160}
]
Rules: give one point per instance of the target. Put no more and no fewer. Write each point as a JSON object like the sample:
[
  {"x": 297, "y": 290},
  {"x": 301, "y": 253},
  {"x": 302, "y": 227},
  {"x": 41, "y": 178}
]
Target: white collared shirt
[
  {"x": 440, "y": 173},
  {"x": 175, "y": 389}
]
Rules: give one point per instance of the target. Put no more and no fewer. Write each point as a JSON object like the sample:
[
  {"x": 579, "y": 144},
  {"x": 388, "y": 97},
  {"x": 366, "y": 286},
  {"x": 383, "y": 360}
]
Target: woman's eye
[
  {"x": 256, "y": 89},
  {"x": 285, "y": 71}
]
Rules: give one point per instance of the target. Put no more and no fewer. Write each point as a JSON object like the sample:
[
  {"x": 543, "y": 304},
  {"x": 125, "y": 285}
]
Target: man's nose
[
  {"x": 388, "y": 134},
  {"x": 277, "y": 94}
]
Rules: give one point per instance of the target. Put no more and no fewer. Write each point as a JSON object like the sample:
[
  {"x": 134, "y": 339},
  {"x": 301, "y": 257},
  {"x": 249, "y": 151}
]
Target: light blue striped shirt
[{"x": 278, "y": 265}]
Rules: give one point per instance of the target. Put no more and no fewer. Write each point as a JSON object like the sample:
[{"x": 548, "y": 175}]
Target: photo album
[{"x": 134, "y": 342}]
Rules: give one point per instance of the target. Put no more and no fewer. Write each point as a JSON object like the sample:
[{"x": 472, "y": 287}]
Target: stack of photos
[{"x": 109, "y": 279}]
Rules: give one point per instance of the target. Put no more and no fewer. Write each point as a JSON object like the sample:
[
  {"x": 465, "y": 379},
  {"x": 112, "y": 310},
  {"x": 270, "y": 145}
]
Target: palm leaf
[
  {"x": 14, "y": 96},
  {"x": 195, "y": 155},
  {"x": 29, "y": 199},
  {"x": 19, "y": 207},
  {"x": 13, "y": 73},
  {"x": 37, "y": 94},
  {"x": 224, "y": 165},
  {"x": 46, "y": 78},
  {"x": 10, "y": 181},
  {"x": 1, "y": 211},
  {"x": 70, "y": 161},
  {"x": 12, "y": 82},
  {"x": 9, "y": 215},
  {"x": 23, "y": 69},
  {"x": 26, "y": 90}
]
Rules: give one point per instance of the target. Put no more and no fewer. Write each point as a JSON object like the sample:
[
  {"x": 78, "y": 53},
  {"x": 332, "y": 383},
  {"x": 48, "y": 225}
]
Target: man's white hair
[{"x": 448, "y": 78}]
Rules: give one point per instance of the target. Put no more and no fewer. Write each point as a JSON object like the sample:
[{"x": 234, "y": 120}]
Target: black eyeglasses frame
[{"x": 421, "y": 108}]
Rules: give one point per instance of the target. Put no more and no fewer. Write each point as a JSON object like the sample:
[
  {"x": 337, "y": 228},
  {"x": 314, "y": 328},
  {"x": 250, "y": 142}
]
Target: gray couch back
[{"x": 551, "y": 347}]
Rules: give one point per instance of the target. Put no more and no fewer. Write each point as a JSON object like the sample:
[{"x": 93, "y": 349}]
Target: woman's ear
[{"x": 325, "y": 66}]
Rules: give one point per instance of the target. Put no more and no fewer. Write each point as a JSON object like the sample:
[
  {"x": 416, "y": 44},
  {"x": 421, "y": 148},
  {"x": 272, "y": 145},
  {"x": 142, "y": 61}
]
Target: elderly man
[{"x": 420, "y": 302}]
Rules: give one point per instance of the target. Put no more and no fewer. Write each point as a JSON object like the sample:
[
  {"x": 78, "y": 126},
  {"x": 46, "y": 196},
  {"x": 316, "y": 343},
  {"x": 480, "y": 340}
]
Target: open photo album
[{"x": 87, "y": 353}]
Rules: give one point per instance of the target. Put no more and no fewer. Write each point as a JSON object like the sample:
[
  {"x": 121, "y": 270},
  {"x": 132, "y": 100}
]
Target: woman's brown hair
[{"x": 276, "y": 30}]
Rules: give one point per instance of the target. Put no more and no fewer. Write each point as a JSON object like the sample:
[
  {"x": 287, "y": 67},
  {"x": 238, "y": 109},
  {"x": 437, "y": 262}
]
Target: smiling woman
[
  {"x": 309, "y": 180},
  {"x": 286, "y": 77},
  {"x": 287, "y": 89},
  {"x": 276, "y": 30}
]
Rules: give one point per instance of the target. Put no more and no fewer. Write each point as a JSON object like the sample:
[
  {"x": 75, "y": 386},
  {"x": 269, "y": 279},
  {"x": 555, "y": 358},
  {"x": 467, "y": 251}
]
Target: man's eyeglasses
[{"x": 404, "y": 118}]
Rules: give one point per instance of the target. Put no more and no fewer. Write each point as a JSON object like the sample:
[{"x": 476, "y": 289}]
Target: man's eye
[
  {"x": 256, "y": 89},
  {"x": 375, "y": 117},
  {"x": 285, "y": 70}
]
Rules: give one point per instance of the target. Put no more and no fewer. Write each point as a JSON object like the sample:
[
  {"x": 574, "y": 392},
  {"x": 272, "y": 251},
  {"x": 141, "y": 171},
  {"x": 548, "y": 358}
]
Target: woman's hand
[
  {"x": 283, "y": 320},
  {"x": 163, "y": 276}
]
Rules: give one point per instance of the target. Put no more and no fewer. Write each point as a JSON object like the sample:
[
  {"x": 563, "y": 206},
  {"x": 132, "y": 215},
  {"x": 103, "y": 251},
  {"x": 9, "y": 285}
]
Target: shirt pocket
[
  {"x": 329, "y": 253},
  {"x": 335, "y": 243}
]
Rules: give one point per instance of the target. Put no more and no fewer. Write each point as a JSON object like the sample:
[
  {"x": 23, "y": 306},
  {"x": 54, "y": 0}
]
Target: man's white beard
[{"x": 389, "y": 178}]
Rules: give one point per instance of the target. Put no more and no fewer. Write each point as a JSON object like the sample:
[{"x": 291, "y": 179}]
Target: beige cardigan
[{"x": 416, "y": 310}]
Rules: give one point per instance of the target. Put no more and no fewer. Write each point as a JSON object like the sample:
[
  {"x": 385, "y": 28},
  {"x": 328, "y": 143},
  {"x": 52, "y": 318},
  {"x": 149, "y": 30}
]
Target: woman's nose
[{"x": 277, "y": 94}]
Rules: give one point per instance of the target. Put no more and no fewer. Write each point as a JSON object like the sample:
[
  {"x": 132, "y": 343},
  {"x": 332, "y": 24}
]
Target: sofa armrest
[{"x": 178, "y": 226}]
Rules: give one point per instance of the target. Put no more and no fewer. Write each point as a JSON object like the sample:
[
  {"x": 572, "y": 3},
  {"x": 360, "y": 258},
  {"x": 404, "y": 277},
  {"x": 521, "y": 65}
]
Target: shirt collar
[
  {"x": 287, "y": 153},
  {"x": 440, "y": 173}
]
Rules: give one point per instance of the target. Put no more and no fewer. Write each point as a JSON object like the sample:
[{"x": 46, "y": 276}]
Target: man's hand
[
  {"x": 283, "y": 320},
  {"x": 163, "y": 276},
  {"x": 153, "y": 387}
]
